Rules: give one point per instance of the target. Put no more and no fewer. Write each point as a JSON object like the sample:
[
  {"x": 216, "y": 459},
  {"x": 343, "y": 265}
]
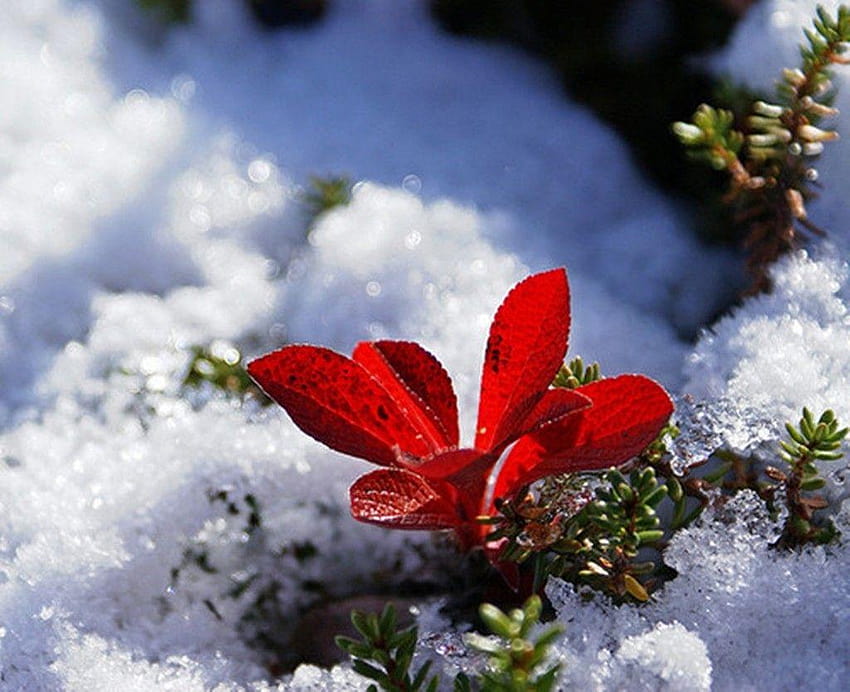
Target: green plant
[
  {"x": 325, "y": 193},
  {"x": 792, "y": 486},
  {"x": 220, "y": 365},
  {"x": 515, "y": 658},
  {"x": 592, "y": 539},
  {"x": 809, "y": 442},
  {"x": 769, "y": 156},
  {"x": 392, "y": 403},
  {"x": 574, "y": 374},
  {"x": 605, "y": 533},
  {"x": 385, "y": 653}
]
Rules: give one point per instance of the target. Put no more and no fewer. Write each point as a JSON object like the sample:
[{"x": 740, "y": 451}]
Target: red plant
[{"x": 393, "y": 404}]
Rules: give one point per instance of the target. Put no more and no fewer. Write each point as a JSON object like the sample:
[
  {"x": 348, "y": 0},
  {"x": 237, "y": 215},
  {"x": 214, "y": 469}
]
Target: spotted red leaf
[
  {"x": 418, "y": 383},
  {"x": 336, "y": 401},
  {"x": 401, "y": 499},
  {"x": 627, "y": 414},
  {"x": 468, "y": 470},
  {"x": 552, "y": 407},
  {"x": 526, "y": 346}
]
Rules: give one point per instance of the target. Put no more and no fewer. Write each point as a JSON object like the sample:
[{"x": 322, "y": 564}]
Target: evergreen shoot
[{"x": 769, "y": 153}]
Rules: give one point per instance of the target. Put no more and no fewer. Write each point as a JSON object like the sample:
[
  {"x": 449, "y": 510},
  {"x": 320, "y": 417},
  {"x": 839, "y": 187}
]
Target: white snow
[{"x": 150, "y": 200}]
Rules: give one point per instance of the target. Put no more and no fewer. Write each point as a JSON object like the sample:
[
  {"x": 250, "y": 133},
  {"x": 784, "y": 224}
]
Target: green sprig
[
  {"x": 515, "y": 658},
  {"x": 809, "y": 442},
  {"x": 575, "y": 374},
  {"x": 600, "y": 545},
  {"x": 326, "y": 193},
  {"x": 768, "y": 152},
  {"x": 221, "y": 365},
  {"x": 385, "y": 653}
]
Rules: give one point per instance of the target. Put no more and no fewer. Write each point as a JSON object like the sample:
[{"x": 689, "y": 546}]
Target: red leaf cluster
[{"x": 392, "y": 403}]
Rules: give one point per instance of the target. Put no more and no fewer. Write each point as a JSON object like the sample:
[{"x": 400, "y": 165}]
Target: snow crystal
[
  {"x": 309, "y": 678},
  {"x": 676, "y": 656},
  {"x": 722, "y": 623},
  {"x": 778, "y": 353}
]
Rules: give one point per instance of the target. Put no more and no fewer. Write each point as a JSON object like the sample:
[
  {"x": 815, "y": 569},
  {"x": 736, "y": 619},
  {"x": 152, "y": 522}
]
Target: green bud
[
  {"x": 795, "y": 434},
  {"x": 828, "y": 456},
  {"x": 813, "y": 484},
  {"x": 675, "y": 489},
  {"x": 532, "y": 608},
  {"x": 656, "y": 496},
  {"x": 768, "y": 110},
  {"x": 794, "y": 77},
  {"x": 763, "y": 140},
  {"x": 688, "y": 134},
  {"x": 497, "y": 621},
  {"x": 807, "y": 424},
  {"x": 650, "y": 536}
]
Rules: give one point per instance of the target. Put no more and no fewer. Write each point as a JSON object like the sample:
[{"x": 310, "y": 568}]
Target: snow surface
[{"x": 150, "y": 200}]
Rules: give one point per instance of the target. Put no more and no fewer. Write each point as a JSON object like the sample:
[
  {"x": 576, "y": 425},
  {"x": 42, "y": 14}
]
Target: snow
[{"x": 150, "y": 200}]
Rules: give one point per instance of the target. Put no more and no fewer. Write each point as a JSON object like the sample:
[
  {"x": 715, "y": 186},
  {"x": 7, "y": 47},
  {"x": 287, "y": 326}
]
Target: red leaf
[
  {"x": 419, "y": 383},
  {"x": 401, "y": 499},
  {"x": 627, "y": 414},
  {"x": 526, "y": 346},
  {"x": 336, "y": 401},
  {"x": 447, "y": 464},
  {"x": 554, "y": 406},
  {"x": 468, "y": 470}
]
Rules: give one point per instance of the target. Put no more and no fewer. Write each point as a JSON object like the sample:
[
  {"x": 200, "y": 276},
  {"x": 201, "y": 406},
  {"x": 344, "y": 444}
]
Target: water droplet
[
  {"x": 136, "y": 96},
  {"x": 373, "y": 289},
  {"x": 377, "y": 330},
  {"x": 204, "y": 368},
  {"x": 225, "y": 351},
  {"x": 200, "y": 216},
  {"x": 183, "y": 87},
  {"x": 780, "y": 19},
  {"x": 412, "y": 184},
  {"x": 412, "y": 239},
  {"x": 259, "y": 170},
  {"x": 258, "y": 202},
  {"x": 7, "y": 305}
]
